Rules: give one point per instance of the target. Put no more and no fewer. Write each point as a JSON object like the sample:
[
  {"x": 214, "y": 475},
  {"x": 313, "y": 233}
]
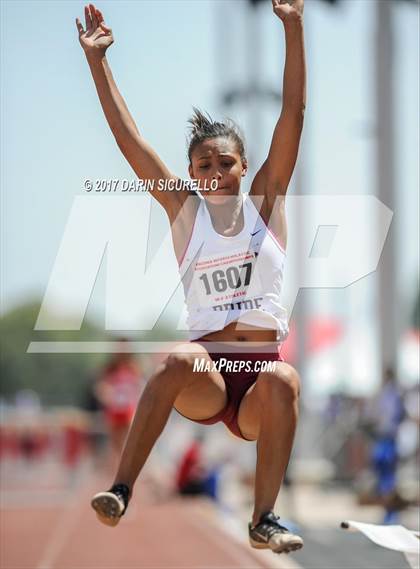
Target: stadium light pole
[
  {"x": 253, "y": 93},
  {"x": 390, "y": 322}
]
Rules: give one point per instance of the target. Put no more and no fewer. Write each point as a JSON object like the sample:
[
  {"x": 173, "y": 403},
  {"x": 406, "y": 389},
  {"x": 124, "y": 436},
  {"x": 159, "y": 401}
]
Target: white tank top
[{"x": 237, "y": 278}]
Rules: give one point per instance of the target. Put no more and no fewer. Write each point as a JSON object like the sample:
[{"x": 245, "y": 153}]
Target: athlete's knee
[
  {"x": 180, "y": 363},
  {"x": 283, "y": 383},
  {"x": 170, "y": 376},
  {"x": 175, "y": 372}
]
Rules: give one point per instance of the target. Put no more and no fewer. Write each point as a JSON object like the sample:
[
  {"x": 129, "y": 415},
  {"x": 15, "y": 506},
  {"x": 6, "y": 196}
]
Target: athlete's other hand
[
  {"x": 288, "y": 9},
  {"x": 97, "y": 37}
]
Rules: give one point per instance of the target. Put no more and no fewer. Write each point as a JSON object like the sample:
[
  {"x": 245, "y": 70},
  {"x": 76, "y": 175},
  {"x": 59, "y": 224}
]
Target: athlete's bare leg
[
  {"x": 117, "y": 436},
  {"x": 269, "y": 414},
  {"x": 197, "y": 395}
]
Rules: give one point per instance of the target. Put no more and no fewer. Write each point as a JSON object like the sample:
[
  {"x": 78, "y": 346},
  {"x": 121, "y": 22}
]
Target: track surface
[
  {"x": 46, "y": 526},
  {"x": 46, "y": 522}
]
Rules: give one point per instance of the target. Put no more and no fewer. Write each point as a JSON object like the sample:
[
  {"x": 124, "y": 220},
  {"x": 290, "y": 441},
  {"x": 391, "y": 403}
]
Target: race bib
[{"x": 227, "y": 281}]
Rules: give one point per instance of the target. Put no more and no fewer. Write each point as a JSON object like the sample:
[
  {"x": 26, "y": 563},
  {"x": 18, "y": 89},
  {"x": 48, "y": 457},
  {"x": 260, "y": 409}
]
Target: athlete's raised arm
[
  {"x": 95, "y": 39},
  {"x": 274, "y": 176}
]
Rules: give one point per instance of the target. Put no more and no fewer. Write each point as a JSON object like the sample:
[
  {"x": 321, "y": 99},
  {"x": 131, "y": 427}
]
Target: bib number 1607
[{"x": 231, "y": 278}]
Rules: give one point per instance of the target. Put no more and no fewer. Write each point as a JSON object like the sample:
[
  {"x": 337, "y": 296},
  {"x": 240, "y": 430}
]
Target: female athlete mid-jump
[{"x": 230, "y": 250}]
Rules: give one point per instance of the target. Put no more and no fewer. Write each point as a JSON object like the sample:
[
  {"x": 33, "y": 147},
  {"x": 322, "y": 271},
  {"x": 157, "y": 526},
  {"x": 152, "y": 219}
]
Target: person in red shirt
[{"x": 118, "y": 390}]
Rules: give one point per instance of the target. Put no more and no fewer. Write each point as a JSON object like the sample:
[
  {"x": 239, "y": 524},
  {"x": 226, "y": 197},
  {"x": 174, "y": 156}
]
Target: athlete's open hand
[
  {"x": 288, "y": 9},
  {"x": 97, "y": 37}
]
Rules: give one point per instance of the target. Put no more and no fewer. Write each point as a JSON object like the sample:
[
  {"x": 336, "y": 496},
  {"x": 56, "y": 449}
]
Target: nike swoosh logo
[
  {"x": 263, "y": 538},
  {"x": 255, "y": 232}
]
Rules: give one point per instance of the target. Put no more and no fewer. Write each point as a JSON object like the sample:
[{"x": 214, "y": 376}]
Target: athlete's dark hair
[{"x": 203, "y": 127}]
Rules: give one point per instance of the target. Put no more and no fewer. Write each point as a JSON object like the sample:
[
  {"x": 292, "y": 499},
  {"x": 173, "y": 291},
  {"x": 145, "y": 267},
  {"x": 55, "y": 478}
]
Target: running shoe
[
  {"x": 110, "y": 506},
  {"x": 269, "y": 534}
]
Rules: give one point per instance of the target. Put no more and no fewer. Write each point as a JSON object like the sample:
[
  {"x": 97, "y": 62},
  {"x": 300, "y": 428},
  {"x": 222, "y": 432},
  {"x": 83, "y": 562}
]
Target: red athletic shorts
[{"x": 237, "y": 382}]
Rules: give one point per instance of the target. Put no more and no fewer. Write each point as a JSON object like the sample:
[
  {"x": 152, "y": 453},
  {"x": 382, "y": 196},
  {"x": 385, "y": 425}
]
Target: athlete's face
[{"x": 218, "y": 159}]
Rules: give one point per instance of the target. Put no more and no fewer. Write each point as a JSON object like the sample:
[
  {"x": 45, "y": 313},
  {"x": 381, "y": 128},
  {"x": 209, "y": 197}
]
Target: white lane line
[
  {"x": 59, "y": 536},
  {"x": 65, "y": 525}
]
